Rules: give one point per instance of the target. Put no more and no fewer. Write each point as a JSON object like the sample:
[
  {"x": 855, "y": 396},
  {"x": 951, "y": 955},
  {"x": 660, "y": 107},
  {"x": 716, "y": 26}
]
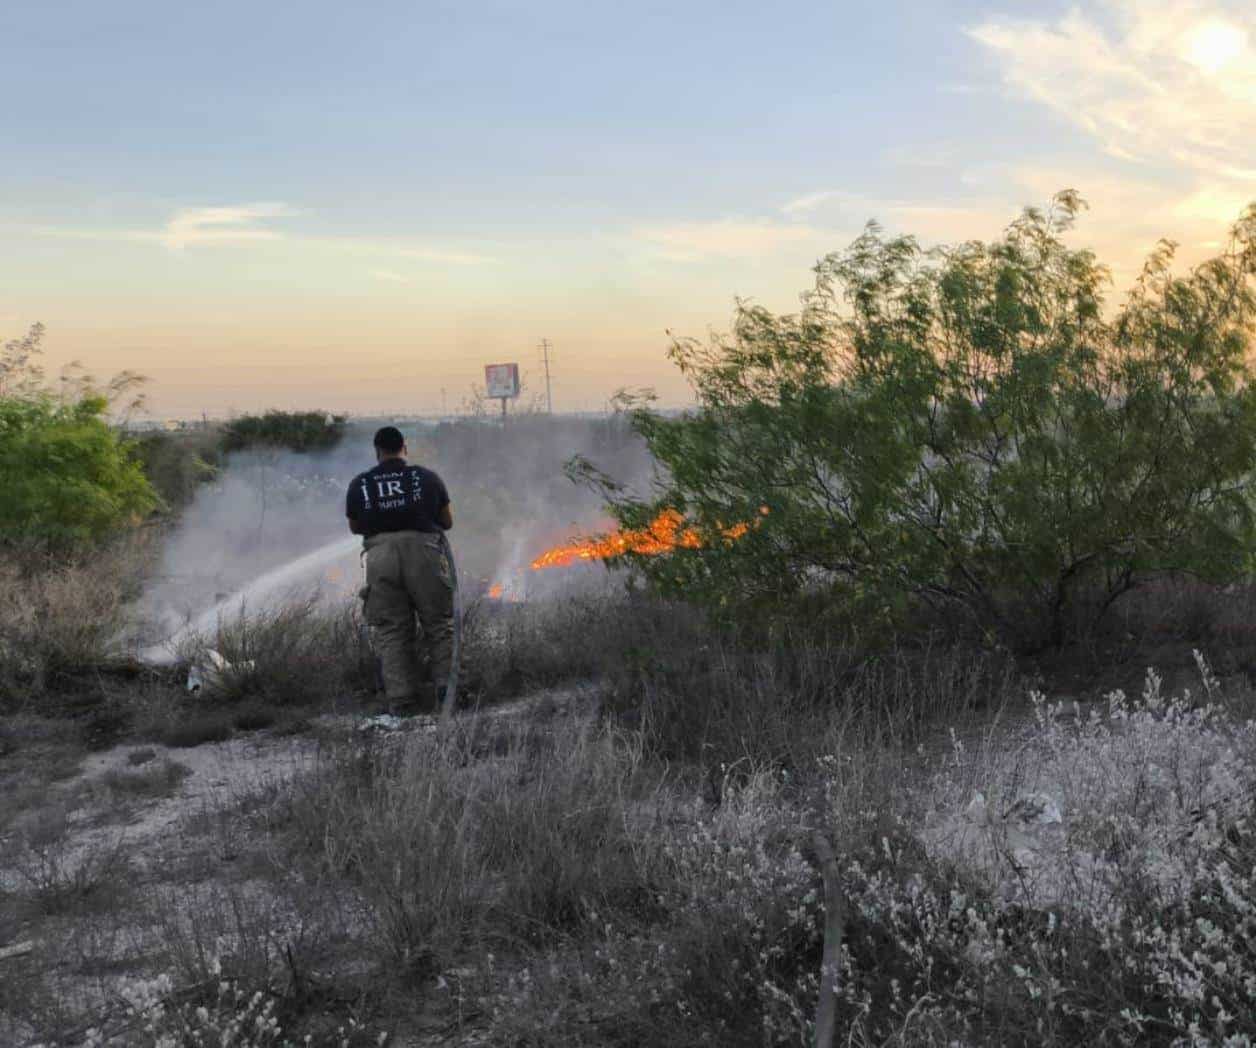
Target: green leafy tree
[
  {"x": 295, "y": 430},
  {"x": 67, "y": 475},
  {"x": 968, "y": 426}
]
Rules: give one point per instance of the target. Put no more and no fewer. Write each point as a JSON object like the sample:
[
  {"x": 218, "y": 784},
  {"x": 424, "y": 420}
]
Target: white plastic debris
[{"x": 211, "y": 671}]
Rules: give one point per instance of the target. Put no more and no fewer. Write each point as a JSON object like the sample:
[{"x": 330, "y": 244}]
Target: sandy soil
[{"x": 81, "y": 824}]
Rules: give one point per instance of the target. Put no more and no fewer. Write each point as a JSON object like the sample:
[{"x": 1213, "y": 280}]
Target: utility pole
[{"x": 549, "y": 399}]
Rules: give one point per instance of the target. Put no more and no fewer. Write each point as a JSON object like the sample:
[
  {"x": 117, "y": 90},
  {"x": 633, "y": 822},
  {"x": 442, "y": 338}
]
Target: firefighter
[{"x": 400, "y": 510}]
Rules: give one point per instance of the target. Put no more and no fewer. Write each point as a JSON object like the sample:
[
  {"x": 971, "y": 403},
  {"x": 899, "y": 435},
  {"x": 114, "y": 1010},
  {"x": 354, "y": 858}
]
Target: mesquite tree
[
  {"x": 67, "y": 477},
  {"x": 970, "y": 426}
]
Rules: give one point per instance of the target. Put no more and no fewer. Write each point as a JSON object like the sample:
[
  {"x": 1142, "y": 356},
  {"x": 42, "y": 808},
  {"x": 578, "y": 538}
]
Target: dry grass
[
  {"x": 718, "y": 699},
  {"x": 60, "y": 620},
  {"x": 158, "y": 778},
  {"x": 510, "y": 649},
  {"x": 306, "y": 653},
  {"x": 634, "y": 873},
  {"x": 477, "y": 836},
  {"x": 55, "y": 874}
]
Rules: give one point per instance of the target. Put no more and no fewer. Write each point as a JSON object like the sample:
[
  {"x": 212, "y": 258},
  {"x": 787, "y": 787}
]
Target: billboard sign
[{"x": 501, "y": 380}]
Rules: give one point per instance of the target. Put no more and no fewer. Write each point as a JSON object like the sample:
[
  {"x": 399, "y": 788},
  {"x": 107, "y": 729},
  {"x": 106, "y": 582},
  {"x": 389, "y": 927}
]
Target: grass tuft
[{"x": 198, "y": 729}]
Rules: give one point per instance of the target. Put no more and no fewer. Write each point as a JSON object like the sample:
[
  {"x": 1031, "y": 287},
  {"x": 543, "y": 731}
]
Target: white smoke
[{"x": 271, "y": 526}]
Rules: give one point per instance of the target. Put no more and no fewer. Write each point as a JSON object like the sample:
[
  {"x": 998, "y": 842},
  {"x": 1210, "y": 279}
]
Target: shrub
[
  {"x": 177, "y": 464},
  {"x": 60, "y": 620},
  {"x": 294, "y": 430},
  {"x": 968, "y": 428},
  {"x": 156, "y": 1014},
  {"x": 732, "y": 956},
  {"x": 61, "y": 874},
  {"x": 585, "y": 635},
  {"x": 156, "y": 779},
  {"x": 476, "y": 837},
  {"x": 68, "y": 477},
  {"x": 197, "y": 729},
  {"x": 299, "y": 654},
  {"x": 720, "y": 696},
  {"x": 1100, "y": 888}
]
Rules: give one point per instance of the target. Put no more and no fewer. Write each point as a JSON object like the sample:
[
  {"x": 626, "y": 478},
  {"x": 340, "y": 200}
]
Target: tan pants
[{"x": 407, "y": 573}]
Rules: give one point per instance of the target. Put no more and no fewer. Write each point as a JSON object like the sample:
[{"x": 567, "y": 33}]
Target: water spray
[{"x": 234, "y": 607}]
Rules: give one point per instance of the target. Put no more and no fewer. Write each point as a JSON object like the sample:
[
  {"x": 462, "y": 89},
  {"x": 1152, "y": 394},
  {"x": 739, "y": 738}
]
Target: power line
[{"x": 549, "y": 398}]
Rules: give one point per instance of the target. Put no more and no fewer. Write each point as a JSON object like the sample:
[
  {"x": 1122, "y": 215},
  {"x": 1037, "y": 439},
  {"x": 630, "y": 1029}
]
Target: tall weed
[
  {"x": 59, "y": 620},
  {"x": 476, "y": 836}
]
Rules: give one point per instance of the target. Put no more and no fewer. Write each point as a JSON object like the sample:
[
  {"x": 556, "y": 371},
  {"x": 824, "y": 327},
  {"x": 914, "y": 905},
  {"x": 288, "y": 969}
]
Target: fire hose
[{"x": 451, "y": 686}]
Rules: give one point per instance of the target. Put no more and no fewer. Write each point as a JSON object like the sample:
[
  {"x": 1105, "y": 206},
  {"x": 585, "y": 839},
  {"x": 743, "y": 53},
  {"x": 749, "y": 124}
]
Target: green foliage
[
  {"x": 178, "y": 463},
  {"x": 968, "y": 426},
  {"x": 67, "y": 476},
  {"x": 296, "y": 430}
]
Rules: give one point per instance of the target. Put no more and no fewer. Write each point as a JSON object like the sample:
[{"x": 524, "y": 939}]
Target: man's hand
[{"x": 445, "y": 517}]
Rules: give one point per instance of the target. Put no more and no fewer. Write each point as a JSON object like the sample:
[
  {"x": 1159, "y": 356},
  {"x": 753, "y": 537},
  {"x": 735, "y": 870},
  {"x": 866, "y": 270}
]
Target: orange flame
[
  {"x": 664, "y": 534},
  {"x": 495, "y": 591}
]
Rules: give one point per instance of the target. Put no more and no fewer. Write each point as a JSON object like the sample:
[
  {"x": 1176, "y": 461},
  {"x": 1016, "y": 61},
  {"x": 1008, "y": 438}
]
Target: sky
[{"x": 356, "y": 206}]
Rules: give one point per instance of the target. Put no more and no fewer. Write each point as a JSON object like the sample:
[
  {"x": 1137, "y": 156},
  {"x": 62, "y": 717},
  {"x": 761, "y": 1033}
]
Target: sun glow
[{"x": 1214, "y": 44}]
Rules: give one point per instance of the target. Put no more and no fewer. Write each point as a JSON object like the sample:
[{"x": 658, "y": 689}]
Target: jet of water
[{"x": 257, "y": 594}]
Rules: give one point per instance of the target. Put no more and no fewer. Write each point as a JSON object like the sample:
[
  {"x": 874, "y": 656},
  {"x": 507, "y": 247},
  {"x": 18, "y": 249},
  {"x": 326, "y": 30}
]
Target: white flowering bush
[
  {"x": 1090, "y": 881},
  {"x": 154, "y": 1016},
  {"x": 747, "y": 922},
  {"x": 730, "y": 954},
  {"x": 1099, "y": 887}
]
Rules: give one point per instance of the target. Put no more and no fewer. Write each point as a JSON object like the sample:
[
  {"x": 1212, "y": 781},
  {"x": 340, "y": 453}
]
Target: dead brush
[
  {"x": 511, "y": 648},
  {"x": 61, "y": 875},
  {"x": 728, "y": 951},
  {"x": 790, "y": 702},
  {"x": 304, "y": 653},
  {"x": 444, "y": 847},
  {"x": 159, "y": 778},
  {"x": 60, "y": 619}
]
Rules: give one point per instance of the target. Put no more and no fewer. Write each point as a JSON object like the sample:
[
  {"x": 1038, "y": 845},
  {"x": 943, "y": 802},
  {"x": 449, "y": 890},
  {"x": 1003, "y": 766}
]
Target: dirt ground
[{"x": 104, "y": 855}]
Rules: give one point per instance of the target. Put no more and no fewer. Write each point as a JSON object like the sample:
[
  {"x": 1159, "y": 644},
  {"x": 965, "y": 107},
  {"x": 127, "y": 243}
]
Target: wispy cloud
[
  {"x": 725, "y": 238},
  {"x": 1151, "y": 80},
  {"x": 218, "y": 225},
  {"x": 389, "y": 276},
  {"x": 1166, "y": 91},
  {"x": 223, "y": 224},
  {"x": 848, "y": 211},
  {"x": 810, "y": 201},
  {"x": 452, "y": 258},
  {"x": 247, "y": 224}
]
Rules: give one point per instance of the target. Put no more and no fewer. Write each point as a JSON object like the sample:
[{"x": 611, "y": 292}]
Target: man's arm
[
  {"x": 353, "y": 505},
  {"x": 444, "y": 516}
]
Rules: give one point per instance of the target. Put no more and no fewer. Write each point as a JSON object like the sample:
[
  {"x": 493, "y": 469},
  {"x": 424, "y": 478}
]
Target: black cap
[{"x": 389, "y": 438}]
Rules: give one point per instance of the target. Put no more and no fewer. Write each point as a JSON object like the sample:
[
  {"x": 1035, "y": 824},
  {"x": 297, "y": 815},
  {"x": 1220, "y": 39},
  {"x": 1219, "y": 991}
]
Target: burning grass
[{"x": 666, "y": 533}]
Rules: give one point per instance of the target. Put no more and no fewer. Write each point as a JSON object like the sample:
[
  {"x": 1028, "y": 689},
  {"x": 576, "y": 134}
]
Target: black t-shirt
[{"x": 396, "y": 496}]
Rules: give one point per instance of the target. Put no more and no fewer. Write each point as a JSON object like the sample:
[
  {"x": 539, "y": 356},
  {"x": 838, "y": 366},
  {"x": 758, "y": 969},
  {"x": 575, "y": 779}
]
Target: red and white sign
[{"x": 501, "y": 380}]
